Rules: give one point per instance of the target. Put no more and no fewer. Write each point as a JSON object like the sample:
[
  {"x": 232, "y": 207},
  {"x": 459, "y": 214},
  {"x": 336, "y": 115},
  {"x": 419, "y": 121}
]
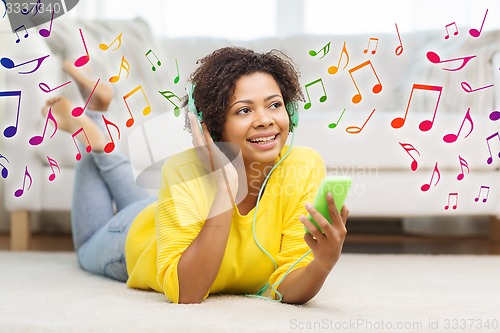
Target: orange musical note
[
  {"x": 467, "y": 88},
  {"x": 495, "y": 115},
  {"x": 487, "y": 188},
  {"x": 168, "y": 95},
  {"x": 44, "y": 32},
  {"x": 356, "y": 129},
  {"x": 448, "y": 33},
  {"x": 476, "y": 33},
  {"x": 463, "y": 163},
  {"x": 398, "y": 49},
  {"x": 333, "y": 125},
  {"x": 178, "y": 77},
  {"x": 434, "y": 58},
  {"x": 455, "y": 194},
  {"x": 9, "y": 64},
  {"x": 426, "y": 124},
  {"x": 376, "y": 45},
  {"x": 10, "y": 131},
  {"x": 321, "y": 99},
  {"x": 158, "y": 62},
  {"x": 88, "y": 149},
  {"x": 490, "y": 158},
  {"x": 110, "y": 146},
  {"x": 426, "y": 187},
  {"x": 325, "y": 51},
  {"x": 37, "y": 139},
  {"x": 124, "y": 65},
  {"x": 449, "y": 138},
  {"x": 45, "y": 87},
  {"x": 146, "y": 110},
  {"x": 20, "y": 191},
  {"x": 78, "y": 111},
  {"x": 26, "y": 35},
  {"x": 5, "y": 171},
  {"x": 334, "y": 69},
  {"x": 409, "y": 147},
  {"x": 85, "y": 58},
  {"x": 52, "y": 164},
  {"x": 118, "y": 39},
  {"x": 376, "y": 88}
]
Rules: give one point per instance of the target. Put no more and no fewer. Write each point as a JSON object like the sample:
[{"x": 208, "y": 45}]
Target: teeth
[{"x": 264, "y": 140}]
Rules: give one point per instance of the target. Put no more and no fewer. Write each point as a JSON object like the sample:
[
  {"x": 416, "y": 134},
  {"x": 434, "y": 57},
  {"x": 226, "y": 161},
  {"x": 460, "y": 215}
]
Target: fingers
[{"x": 314, "y": 231}]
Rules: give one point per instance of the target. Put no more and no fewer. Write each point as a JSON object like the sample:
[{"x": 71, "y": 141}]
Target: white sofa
[{"x": 384, "y": 185}]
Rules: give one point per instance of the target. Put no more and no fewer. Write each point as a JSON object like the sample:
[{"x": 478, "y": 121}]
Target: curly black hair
[{"x": 215, "y": 79}]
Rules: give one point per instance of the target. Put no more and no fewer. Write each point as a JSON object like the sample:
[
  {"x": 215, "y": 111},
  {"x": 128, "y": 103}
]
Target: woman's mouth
[{"x": 264, "y": 140}]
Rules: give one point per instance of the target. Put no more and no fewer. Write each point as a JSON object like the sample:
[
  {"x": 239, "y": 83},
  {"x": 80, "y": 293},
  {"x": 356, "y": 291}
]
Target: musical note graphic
[
  {"x": 10, "y": 131},
  {"x": 123, "y": 65},
  {"x": 117, "y": 39},
  {"x": 5, "y": 5},
  {"x": 333, "y": 125},
  {"x": 78, "y": 111},
  {"x": 455, "y": 194},
  {"x": 376, "y": 88},
  {"x": 26, "y": 35},
  {"x": 398, "y": 49},
  {"x": 434, "y": 58},
  {"x": 85, "y": 58},
  {"x": 325, "y": 51},
  {"x": 110, "y": 146},
  {"x": 44, "y": 32},
  {"x": 467, "y": 88},
  {"x": 53, "y": 164},
  {"x": 490, "y": 158},
  {"x": 356, "y": 129},
  {"x": 88, "y": 149},
  {"x": 322, "y": 99},
  {"x": 463, "y": 163},
  {"x": 426, "y": 124},
  {"x": 487, "y": 188},
  {"x": 37, "y": 139},
  {"x": 368, "y": 47},
  {"x": 146, "y": 110},
  {"x": 178, "y": 77},
  {"x": 426, "y": 187},
  {"x": 20, "y": 191},
  {"x": 495, "y": 115},
  {"x": 449, "y": 138},
  {"x": 9, "y": 64},
  {"x": 25, "y": 11},
  {"x": 409, "y": 147},
  {"x": 158, "y": 62},
  {"x": 168, "y": 95},
  {"x": 5, "y": 171},
  {"x": 448, "y": 33},
  {"x": 45, "y": 87},
  {"x": 334, "y": 69},
  {"x": 476, "y": 33}
]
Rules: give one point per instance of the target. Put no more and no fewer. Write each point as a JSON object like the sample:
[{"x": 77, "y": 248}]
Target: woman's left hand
[{"x": 326, "y": 246}]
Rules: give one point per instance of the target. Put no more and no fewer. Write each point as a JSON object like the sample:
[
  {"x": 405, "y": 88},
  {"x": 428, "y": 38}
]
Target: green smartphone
[{"x": 339, "y": 187}]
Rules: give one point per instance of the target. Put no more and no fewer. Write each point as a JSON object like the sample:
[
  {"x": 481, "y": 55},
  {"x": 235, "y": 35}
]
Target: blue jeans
[{"x": 106, "y": 201}]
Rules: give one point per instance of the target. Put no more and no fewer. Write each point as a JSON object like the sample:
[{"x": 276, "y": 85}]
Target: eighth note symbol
[
  {"x": 455, "y": 194},
  {"x": 487, "y": 188}
]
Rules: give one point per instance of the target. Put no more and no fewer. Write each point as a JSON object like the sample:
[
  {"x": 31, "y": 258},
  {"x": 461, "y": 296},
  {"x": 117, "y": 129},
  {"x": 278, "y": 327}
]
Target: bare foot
[
  {"x": 103, "y": 93},
  {"x": 61, "y": 110}
]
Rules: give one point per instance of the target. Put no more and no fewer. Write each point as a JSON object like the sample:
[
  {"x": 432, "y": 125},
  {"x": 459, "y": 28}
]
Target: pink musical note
[
  {"x": 85, "y": 58},
  {"x": 463, "y": 163},
  {"x": 448, "y": 33},
  {"x": 26, "y": 35},
  {"x": 322, "y": 99},
  {"x": 495, "y": 115},
  {"x": 158, "y": 62},
  {"x": 487, "y": 188},
  {"x": 45, "y": 87},
  {"x": 426, "y": 124},
  {"x": 44, "y": 32},
  {"x": 409, "y": 147},
  {"x": 467, "y": 88},
  {"x": 78, "y": 111},
  {"x": 356, "y": 129},
  {"x": 490, "y": 158},
  {"x": 325, "y": 51},
  {"x": 117, "y": 39},
  {"x": 455, "y": 194},
  {"x": 368, "y": 47},
  {"x": 5, "y": 171},
  {"x": 10, "y": 131},
  {"x": 37, "y": 139},
  {"x": 9, "y": 64},
  {"x": 426, "y": 187},
  {"x": 146, "y": 110},
  {"x": 110, "y": 146},
  {"x": 124, "y": 65},
  {"x": 334, "y": 69},
  {"x": 476, "y": 33},
  {"x": 449, "y": 138},
  {"x": 334, "y": 125},
  {"x": 88, "y": 149},
  {"x": 376, "y": 88},
  {"x": 399, "y": 49},
  {"x": 53, "y": 164},
  {"x": 20, "y": 191},
  {"x": 434, "y": 58},
  {"x": 169, "y": 95}
]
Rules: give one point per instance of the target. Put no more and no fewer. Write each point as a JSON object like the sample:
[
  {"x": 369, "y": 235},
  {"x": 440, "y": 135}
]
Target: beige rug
[{"x": 47, "y": 292}]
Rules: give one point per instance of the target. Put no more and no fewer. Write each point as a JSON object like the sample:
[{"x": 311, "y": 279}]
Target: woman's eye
[
  {"x": 243, "y": 111},
  {"x": 276, "y": 105}
]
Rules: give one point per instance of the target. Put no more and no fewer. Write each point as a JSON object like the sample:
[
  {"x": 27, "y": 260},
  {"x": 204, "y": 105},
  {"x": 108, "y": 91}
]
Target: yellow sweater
[{"x": 163, "y": 231}]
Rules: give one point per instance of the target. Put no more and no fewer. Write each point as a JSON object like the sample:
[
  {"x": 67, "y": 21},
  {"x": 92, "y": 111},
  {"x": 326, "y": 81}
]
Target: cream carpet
[{"x": 47, "y": 292}]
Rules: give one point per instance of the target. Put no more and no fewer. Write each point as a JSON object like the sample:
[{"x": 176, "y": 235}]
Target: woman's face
[{"x": 257, "y": 120}]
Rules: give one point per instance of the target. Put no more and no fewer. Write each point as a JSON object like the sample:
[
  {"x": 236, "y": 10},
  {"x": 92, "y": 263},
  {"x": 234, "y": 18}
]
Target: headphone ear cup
[{"x": 293, "y": 111}]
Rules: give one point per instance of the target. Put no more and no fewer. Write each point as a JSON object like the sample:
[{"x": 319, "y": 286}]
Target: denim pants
[{"x": 106, "y": 201}]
